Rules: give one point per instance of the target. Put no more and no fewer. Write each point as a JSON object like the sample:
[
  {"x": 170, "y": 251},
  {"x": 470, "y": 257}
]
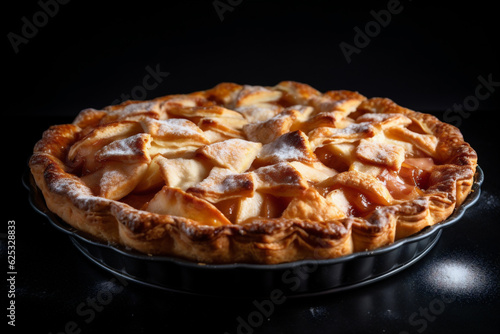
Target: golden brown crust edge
[{"x": 265, "y": 240}]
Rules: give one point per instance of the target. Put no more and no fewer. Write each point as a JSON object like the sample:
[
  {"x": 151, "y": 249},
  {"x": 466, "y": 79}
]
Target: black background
[{"x": 428, "y": 58}]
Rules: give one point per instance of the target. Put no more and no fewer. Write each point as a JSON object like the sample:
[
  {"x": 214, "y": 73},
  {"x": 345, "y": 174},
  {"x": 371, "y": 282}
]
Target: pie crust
[{"x": 253, "y": 174}]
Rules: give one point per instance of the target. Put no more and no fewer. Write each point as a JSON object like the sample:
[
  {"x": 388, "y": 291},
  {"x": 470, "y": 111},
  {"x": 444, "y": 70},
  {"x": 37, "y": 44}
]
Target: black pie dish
[{"x": 294, "y": 279}]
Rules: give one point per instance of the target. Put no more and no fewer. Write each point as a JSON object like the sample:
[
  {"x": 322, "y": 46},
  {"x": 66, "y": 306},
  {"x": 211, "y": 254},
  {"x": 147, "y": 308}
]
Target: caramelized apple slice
[
  {"x": 175, "y": 202},
  {"x": 272, "y": 206},
  {"x": 337, "y": 156},
  {"x": 415, "y": 176},
  {"x": 421, "y": 163},
  {"x": 360, "y": 205},
  {"x": 412, "y": 178},
  {"x": 373, "y": 188},
  {"x": 397, "y": 187}
]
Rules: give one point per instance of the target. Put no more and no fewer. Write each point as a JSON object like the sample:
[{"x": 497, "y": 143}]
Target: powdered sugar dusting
[
  {"x": 224, "y": 183},
  {"x": 352, "y": 129},
  {"x": 375, "y": 117},
  {"x": 111, "y": 178},
  {"x": 72, "y": 188},
  {"x": 288, "y": 147},
  {"x": 381, "y": 153},
  {"x": 173, "y": 127},
  {"x": 125, "y": 149},
  {"x": 384, "y": 119},
  {"x": 284, "y": 152},
  {"x": 136, "y": 107}
]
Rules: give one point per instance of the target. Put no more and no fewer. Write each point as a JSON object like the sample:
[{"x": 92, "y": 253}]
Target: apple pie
[{"x": 253, "y": 174}]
